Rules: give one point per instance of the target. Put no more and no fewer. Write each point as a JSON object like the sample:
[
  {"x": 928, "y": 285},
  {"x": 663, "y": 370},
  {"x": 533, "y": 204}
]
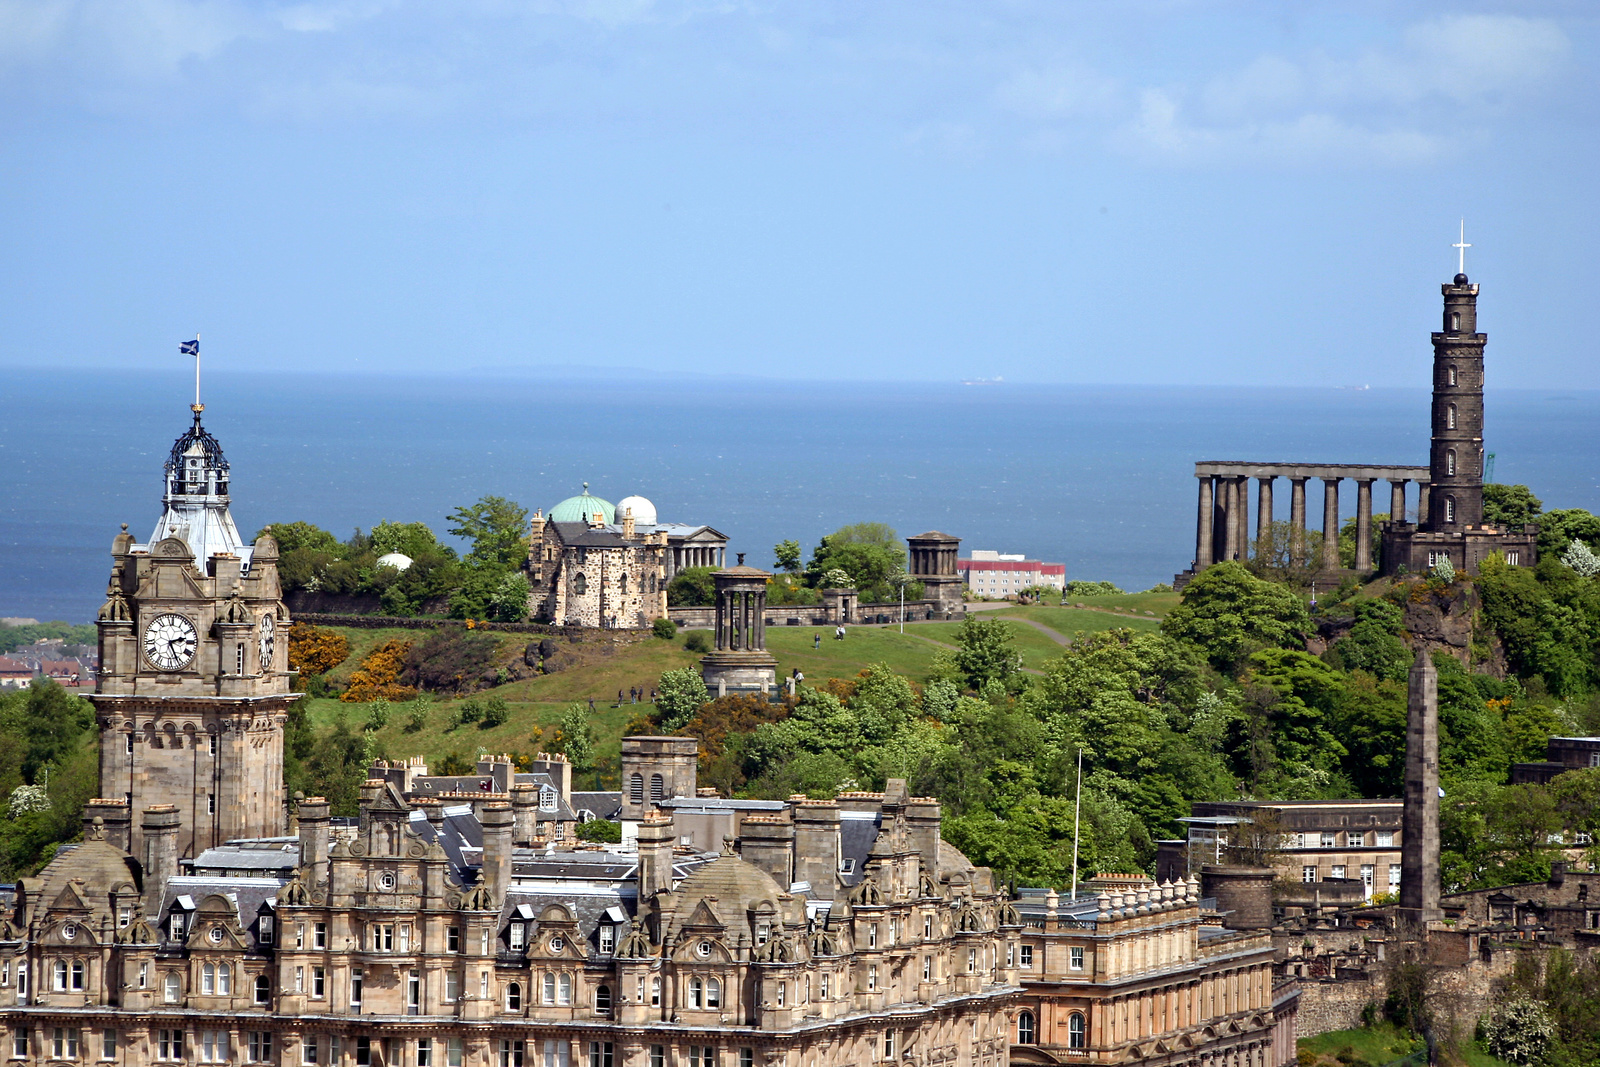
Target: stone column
[
  {"x": 1364, "y": 524},
  {"x": 1230, "y": 539},
  {"x": 1264, "y": 506},
  {"x": 1330, "y": 524},
  {"x": 1242, "y": 531},
  {"x": 761, "y": 621},
  {"x": 1204, "y": 535},
  {"x": 1397, "y": 500},
  {"x": 1419, "y": 819},
  {"x": 1297, "y": 520}
]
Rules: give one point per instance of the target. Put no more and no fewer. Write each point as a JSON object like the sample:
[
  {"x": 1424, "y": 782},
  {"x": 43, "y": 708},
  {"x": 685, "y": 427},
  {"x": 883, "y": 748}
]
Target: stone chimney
[
  {"x": 627, "y": 525},
  {"x": 116, "y": 821},
  {"x": 767, "y": 841},
  {"x": 524, "y": 813},
  {"x": 656, "y": 838},
  {"x": 922, "y": 832},
  {"x": 1419, "y": 821},
  {"x": 816, "y": 844},
  {"x": 496, "y": 819},
  {"x": 160, "y": 830},
  {"x": 314, "y": 839}
]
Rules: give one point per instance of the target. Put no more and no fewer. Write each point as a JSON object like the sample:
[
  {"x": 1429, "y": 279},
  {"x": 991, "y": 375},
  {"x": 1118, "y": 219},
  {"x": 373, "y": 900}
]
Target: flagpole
[
  {"x": 1077, "y": 809},
  {"x": 197, "y": 408}
]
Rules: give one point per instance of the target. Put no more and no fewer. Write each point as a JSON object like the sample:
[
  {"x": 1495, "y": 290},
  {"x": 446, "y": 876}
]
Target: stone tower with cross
[{"x": 194, "y": 691}]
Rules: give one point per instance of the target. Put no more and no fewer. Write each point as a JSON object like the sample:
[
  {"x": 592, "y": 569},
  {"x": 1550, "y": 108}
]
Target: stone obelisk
[{"x": 1419, "y": 826}]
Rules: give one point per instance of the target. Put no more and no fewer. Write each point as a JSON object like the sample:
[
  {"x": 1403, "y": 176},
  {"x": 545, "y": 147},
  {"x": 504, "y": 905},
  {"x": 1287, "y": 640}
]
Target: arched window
[
  {"x": 636, "y": 788},
  {"x": 697, "y": 993},
  {"x": 1076, "y": 1034},
  {"x": 1452, "y": 374},
  {"x": 564, "y": 989},
  {"x": 208, "y": 978},
  {"x": 1450, "y": 461},
  {"x": 580, "y": 584},
  {"x": 224, "y": 980},
  {"x": 77, "y": 974},
  {"x": 549, "y": 989},
  {"x": 713, "y": 993},
  {"x": 1449, "y": 509},
  {"x": 514, "y": 996},
  {"x": 1450, "y": 417},
  {"x": 602, "y": 1000},
  {"x": 263, "y": 989},
  {"x": 1026, "y": 1034},
  {"x": 58, "y": 974},
  {"x": 658, "y": 788},
  {"x": 622, "y": 582},
  {"x": 1455, "y": 322},
  {"x": 170, "y": 988}
]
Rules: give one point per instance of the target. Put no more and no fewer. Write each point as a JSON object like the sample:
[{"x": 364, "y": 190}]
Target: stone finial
[
  {"x": 1102, "y": 905},
  {"x": 1194, "y": 889},
  {"x": 1051, "y": 900}
]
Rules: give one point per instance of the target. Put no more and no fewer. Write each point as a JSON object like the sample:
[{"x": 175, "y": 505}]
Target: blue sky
[{"x": 1148, "y": 191}]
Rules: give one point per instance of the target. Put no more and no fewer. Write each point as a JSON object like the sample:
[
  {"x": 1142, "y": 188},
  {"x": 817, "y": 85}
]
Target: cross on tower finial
[{"x": 1461, "y": 247}]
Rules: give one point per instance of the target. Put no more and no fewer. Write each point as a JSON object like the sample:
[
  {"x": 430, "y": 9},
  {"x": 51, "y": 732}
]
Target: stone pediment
[
  {"x": 212, "y": 934},
  {"x": 69, "y": 901},
  {"x": 704, "y": 917},
  {"x": 689, "y": 949}
]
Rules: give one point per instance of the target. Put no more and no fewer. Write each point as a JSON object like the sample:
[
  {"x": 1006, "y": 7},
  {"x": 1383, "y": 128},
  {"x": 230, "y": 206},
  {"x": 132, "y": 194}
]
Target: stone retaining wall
[{"x": 705, "y": 618}]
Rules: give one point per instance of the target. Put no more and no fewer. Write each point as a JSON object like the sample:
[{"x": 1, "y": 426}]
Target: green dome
[{"x": 582, "y": 508}]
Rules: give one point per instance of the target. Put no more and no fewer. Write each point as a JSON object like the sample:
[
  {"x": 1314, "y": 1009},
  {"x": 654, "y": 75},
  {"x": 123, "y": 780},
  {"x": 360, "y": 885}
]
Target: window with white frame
[
  {"x": 1385, "y": 838},
  {"x": 1075, "y": 957},
  {"x": 1027, "y": 955},
  {"x": 1308, "y": 873}
]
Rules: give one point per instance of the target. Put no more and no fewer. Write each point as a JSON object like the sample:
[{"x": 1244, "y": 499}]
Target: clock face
[
  {"x": 169, "y": 642},
  {"x": 268, "y": 630}
]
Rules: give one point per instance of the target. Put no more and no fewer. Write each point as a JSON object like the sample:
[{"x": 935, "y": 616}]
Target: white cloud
[
  {"x": 139, "y": 37},
  {"x": 1395, "y": 106},
  {"x": 1058, "y": 91}
]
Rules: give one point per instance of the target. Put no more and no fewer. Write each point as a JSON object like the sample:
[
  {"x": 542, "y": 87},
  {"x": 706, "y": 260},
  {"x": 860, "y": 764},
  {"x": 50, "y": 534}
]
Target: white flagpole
[
  {"x": 1077, "y": 809},
  {"x": 197, "y": 372}
]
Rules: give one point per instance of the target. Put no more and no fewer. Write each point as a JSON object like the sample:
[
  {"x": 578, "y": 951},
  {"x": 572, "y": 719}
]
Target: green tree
[
  {"x": 1373, "y": 643},
  {"x": 412, "y": 539},
  {"x": 292, "y": 536},
  {"x": 577, "y": 739},
  {"x": 601, "y": 831},
  {"x": 869, "y": 552},
  {"x": 497, "y": 528},
  {"x": 787, "y": 555},
  {"x": 1229, "y": 613},
  {"x": 680, "y": 695},
  {"x": 1509, "y": 505},
  {"x": 692, "y": 587},
  {"x": 986, "y": 653},
  {"x": 1559, "y": 528}
]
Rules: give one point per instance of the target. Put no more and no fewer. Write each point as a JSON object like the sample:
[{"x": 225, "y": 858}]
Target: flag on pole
[{"x": 189, "y": 348}]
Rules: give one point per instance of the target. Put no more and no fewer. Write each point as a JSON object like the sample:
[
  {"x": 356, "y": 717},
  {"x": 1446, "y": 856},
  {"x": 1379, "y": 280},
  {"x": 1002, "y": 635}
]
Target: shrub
[
  {"x": 450, "y": 660},
  {"x": 316, "y": 650},
  {"x": 682, "y": 694},
  {"x": 379, "y": 675},
  {"x": 697, "y": 641},
  {"x": 1581, "y": 558},
  {"x": 600, "y": 830},
  {"x": 1092, "y": 589},
  {"x": 1444, "y": 570},
  {"x": 495, "y": 713},
  {"x": 470, "y": 711},
  {"x": 377, "y": 715},
  {"x": 665, "y": 629},
  {"x": 418, "y": 719},
  {"x": 1519, "y": 1030}
]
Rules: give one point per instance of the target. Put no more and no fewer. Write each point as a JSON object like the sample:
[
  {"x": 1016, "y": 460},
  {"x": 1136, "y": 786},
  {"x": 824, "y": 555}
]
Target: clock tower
[{"x": 194, "y": 682}]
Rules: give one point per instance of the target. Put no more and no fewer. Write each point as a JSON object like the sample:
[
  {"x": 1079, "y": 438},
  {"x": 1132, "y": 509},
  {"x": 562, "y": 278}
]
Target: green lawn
[
  {"x": 1072, "y": 621},
  {"x": 1035, "y": 647},
  {"x": 1381, "y": 1046}
]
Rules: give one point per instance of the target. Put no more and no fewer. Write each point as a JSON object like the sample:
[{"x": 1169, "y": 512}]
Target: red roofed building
[
  {"x": 992, "y": 574},
  {"x": 14, "y": 674}
]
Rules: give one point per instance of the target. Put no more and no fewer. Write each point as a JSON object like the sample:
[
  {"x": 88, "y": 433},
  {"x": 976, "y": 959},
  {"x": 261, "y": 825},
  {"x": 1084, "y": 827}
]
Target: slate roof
[
  {"x": 246, "y": 857},
  {"x": 461, "y": 838},
  {"x": 858, "y": 832},
  {"x": 590, "y": 906},
  {"x": 603, "y": 805},
  {"x": 247, "y": 895},
  {"x": 582, "y": 535}
]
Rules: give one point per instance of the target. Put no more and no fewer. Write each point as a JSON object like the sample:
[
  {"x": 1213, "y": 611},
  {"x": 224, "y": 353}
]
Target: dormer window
[
  {"x": 608, "y": 939},
  {"x": 763, "y": 932},
  {"x": 517, "y": 936},
  {"x": 547, "y": 799},
  {"x": 846, "y": 866},
  {"x": 175, "y": 926}
]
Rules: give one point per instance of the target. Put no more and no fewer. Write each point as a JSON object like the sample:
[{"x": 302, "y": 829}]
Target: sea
[{"x": 1099, "y": 478}]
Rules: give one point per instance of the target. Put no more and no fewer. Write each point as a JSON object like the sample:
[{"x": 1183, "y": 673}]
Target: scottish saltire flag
[{"x": 189, "y": 348}]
